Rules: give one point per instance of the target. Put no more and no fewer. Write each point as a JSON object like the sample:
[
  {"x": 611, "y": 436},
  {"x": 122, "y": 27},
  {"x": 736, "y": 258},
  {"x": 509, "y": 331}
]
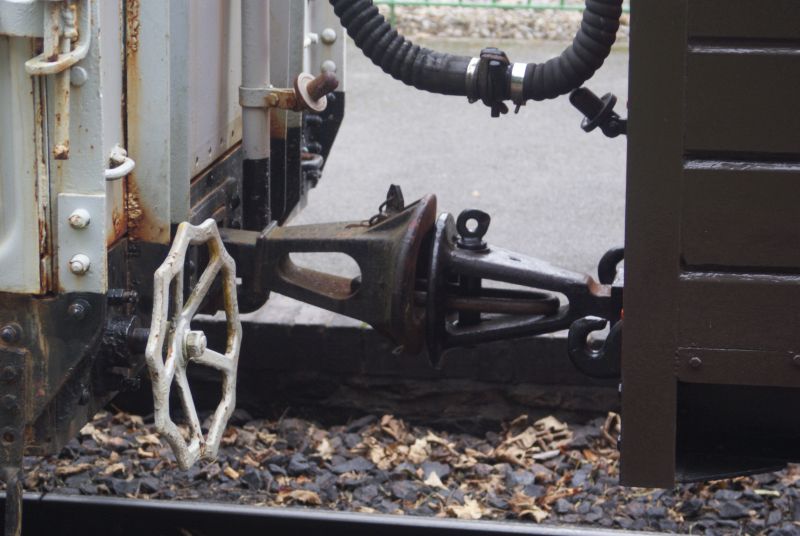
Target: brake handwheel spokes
[{"x": 172, "y": 343}]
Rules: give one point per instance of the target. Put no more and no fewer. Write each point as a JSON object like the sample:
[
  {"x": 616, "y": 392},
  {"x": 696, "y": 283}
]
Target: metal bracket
[
  {"x": 81, "y": 243},
  {"x": 267, "y": 97},
  {"x": 46, "y": 63},
  {"x": 308, "y": 93}
]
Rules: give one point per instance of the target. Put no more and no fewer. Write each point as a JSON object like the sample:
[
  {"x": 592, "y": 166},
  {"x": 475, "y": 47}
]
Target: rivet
[
  {"x": 328, "y": 36},
  {"x": 9, "y": 435},
  {"x": 78, "y": 76},
  {"x": 10, "y": 333},
  {"x": 78, "y": 309},
  {"x": 80, "y": 218},
  {"x": 328, "y": 66},
  {"x": 79, "y": 264},
  {"x": 695, "y": 362},
  {"x": 796, "y": 360},
  {"x": 8, "y": 374},
  {"x": 10, "y": 402}
]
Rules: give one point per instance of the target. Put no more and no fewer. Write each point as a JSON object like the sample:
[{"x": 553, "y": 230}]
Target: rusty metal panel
[
  {"x": 712, "y": 296},
  {"x": 147, "y": 64}
]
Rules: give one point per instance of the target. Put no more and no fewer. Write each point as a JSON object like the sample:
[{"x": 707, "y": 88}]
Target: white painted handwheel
[{"x": 172, "y": 343}]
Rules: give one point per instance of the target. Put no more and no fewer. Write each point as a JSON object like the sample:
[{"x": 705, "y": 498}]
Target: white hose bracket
[
  {"x": 122, "y": 164},
  {"x": 172, "y": 343}
]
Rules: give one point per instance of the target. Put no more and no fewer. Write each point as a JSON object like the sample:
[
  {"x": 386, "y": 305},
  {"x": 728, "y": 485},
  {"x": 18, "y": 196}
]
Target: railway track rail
[{"x": 86, "y": 515}]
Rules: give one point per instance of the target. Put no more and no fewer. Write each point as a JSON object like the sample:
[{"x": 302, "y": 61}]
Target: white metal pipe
[{"x": 255, "y": 74}]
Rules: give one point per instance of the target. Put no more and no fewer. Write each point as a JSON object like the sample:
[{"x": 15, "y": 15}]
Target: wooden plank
[
  {"x": 770, "y": 19},
  {"x": 743, "y": 101},
  {"x": 738, "y": 367},
  {"x": 741, "y": 215},
  {"x": 739, "y": 311}
]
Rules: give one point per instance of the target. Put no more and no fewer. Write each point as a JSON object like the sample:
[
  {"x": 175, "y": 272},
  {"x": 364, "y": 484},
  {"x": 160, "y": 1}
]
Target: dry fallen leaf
[
  {"x": 325, "y": 450},
  {"x": 471, "y": 509},
  {"x": 145, "y": 453},
  {"x": 148, "y": 439},
  {"x": 231, "y": 473},
  {"x": 114, "y": 468},
  {"x": 419, "y": 451},
  {"x": 535, "y": 513},
  {"x": 393, "y": 427},
  {"x": 303, "y": 496},
  {"x": 68, "y": 470},
  {"x": 434, "y": 481}
]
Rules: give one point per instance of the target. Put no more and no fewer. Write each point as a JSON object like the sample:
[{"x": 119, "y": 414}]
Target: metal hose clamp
[
  {"x": 472, "y": 80},
  {"x": 517, "y": 83}
]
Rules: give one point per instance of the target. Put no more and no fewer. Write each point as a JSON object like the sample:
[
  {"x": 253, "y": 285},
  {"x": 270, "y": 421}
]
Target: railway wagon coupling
[{"x": 153, "y": 154}]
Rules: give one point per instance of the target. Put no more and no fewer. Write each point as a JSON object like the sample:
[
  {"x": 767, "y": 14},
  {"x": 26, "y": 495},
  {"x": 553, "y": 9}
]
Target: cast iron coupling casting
[{"x": 598, "y": 112}]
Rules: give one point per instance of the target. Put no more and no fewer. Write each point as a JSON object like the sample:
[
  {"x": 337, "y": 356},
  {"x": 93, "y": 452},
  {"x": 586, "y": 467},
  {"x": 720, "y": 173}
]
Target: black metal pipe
[{"x": 447, "y": 74}]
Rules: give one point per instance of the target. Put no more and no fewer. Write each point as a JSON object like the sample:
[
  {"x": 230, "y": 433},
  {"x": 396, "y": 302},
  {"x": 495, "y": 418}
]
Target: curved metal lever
[
  {"x": 603, "y": 362},
  {"x": 123, "y": 164},
  {"x": 607, "y": 267}
]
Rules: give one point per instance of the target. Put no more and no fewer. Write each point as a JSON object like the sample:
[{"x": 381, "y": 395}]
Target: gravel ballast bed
[
  {"x": 489, "y": 23},
  {"x": 537, "y": 472}
]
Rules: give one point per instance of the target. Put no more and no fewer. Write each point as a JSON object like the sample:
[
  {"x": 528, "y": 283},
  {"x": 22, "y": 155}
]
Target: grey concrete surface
[{"x": 553, "y": 191}]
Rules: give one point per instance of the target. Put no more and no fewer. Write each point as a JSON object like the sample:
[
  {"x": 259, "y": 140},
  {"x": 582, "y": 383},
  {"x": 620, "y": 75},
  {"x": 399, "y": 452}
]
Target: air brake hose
[{"x": 491, "y": 78}]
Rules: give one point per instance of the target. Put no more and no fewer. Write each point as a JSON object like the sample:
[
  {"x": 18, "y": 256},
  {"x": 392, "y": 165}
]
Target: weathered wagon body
[{"x": 148, "y": 146}]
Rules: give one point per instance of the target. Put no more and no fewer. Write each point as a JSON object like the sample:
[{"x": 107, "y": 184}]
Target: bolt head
[
  {"x": 8, "y": 374},
  {"x": 328, "y": 65},
  {"x": 79, "y": 264},
  {"x": 10, "y": 403},
  {"x": 10, "y": 333},
  {"x": 78, "y": 76},
  {"x": 78, "y": 309},
  {"x": 695, "y": 362},
  {"x": 195, "y": 343},
  {"x": 796, "y": 360},
  {"x": 80, "y": 218},
  {"x": 328, "y": 36}
]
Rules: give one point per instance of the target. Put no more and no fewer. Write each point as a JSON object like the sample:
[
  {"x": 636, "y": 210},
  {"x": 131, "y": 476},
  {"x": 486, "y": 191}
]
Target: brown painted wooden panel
[
  {"x": 742, "y": 101},
  {"x": 772, "y": 19},
  {"x": 739, "y": 311},
  {"x": 652, "y": 241},
  {"x": 741, "y": 215},
  {"x": 737, "y": 367}
]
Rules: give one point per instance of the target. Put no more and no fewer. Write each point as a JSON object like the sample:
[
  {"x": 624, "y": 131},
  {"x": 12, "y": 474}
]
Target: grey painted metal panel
[
  {"x": 21, "y": 18},
  {"x": 214, "y": 74},
  {"x": 95, "y": 127},
  {"x": 21, "y": 174}
]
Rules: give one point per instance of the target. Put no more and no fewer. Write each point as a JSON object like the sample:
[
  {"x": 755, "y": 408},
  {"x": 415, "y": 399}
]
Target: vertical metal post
[
  {"x": 255, "y": 121},
  {"x": 13, "y": 511}
]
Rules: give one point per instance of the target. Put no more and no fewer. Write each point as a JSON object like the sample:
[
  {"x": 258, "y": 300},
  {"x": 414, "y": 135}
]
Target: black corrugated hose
[{"x": 447, "y": 73}]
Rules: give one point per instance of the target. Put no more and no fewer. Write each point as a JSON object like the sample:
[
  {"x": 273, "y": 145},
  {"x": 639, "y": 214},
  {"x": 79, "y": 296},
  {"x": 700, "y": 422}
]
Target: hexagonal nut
[
  {"x": 195, "y": 343},
  {"x": 80, "y": 218},
  {"x": 79, "y": 264}
]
